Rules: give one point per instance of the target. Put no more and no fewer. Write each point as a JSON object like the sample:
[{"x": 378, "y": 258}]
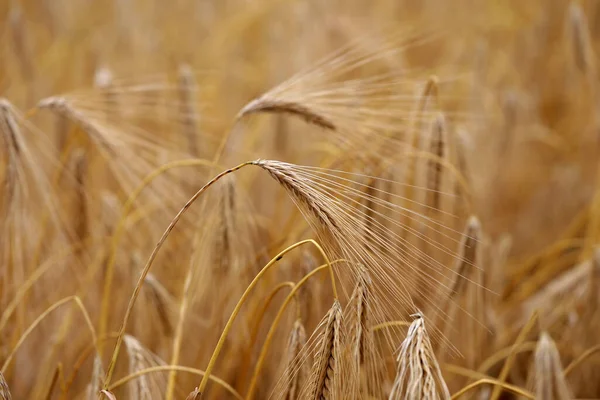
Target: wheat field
[{"x": 321, "y": 200}]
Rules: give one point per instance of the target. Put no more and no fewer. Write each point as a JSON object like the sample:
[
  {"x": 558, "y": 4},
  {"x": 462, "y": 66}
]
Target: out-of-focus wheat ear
[
  {"x": 419, "y": 375},
  {"x": 412, "y": 168},
  {"x": 495, "y": 277},
  {"x": 226, "y": 227},
  {"x": 326, "y": 369},
  {"x": 95, "y": 384},
  {"x": 103, "y": 80},
  {"x": 547, "y": 379},
  {"x": 11, "y": 143},
  {"x": 463, "y": 268},
  {"x": 187, "y": 101},
  {"x": 458, "y": 149},
  {"x": 268, "y": 104},
  {"x": 296, "y": 371},
  {"x": 78, "y": 168},
  {"x": 163, "y": 300},
  {"x": 22, "y": 49},
  {"x": 145, "y": 386},
  {"x": 593, "y": 289},
  {"x": 580, "y": 43},
  {"x": 62, "y": 107},
  {"x": 438, "y": 143},
  {"x": 427, "y": 100},
  {"x": 4, "y": 390}
]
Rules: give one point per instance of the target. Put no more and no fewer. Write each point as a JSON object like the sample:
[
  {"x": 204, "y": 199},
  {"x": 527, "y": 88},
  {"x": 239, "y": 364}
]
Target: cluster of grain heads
[{"x": 419, "y": 376}]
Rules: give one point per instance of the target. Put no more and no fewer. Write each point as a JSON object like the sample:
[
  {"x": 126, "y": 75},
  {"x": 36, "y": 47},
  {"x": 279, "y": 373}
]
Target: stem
[
  {"x": 588, "y": 353},
  {"x": 146, "y": 269},
  {"x": 120, "y": 229},
  {"x": 390, "y": 324},
  {"x": 510, "y": 359},
  {"x": 159, "y": 368},
  {"x": 236, "y": 310},
  {"x": 271, "y": 333},
  {"x": 499, "y": 385},
  {"x": 245, "y": 364},
  {"x": 37, "y": 274},
  {"x": 178, "y": 334}
]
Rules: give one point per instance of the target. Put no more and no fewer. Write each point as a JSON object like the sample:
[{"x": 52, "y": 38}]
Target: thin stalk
[
  {"x": 160, "y": 368},
  {"x": 271, "y": 333},
  {"x": 39, "y": 319},
  {"x": 200, "y": 389},
  {"x": 120, "y": 229},
  {"x": 140, "y": 283}
]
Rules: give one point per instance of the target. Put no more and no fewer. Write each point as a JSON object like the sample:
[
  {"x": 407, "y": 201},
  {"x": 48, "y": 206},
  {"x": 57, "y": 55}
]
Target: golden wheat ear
[
  {"x": 325, "y": 374},
  {"x": 547, "y": 377},
  {"x": 364, "y": 374},
  {"x": 4, "y": 390},
  {"x": 419, "y": 375}
]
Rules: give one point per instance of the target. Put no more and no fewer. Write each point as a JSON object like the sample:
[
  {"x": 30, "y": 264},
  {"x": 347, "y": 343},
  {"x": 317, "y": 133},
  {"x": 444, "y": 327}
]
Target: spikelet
[
  {"x": 419, "y": 375},
  {"x": 325, "y": 374},
  {"x": 547, "y": 378}
]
